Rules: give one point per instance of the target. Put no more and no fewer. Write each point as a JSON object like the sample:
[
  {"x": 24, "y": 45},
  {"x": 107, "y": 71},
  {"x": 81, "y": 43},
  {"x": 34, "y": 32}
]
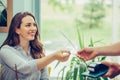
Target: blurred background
[
  {"x": 98, "y": 22},
  {"x": 96, "y": 19}
]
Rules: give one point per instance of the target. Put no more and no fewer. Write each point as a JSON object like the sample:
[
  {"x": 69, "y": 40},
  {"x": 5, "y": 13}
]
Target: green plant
[
  {"x": 3, "y": 14},
  {"x": 76, "y": 67},
  {"x": 92, "y": 15},
  {"x": 66, "y": 6}
]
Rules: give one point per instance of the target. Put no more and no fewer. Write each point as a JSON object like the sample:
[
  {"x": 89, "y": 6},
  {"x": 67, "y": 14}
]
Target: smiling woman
[{"x": 26, "y": 51}]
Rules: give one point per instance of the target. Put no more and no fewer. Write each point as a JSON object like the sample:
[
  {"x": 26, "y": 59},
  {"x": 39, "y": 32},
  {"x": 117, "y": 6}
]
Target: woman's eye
[
  {"x": 34, "y": 24},
  {"x": 28, "y": 25}
]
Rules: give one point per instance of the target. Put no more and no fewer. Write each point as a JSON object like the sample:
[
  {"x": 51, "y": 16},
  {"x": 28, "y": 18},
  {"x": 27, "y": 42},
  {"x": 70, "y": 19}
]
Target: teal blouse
[{"x": 26, "y": 65}]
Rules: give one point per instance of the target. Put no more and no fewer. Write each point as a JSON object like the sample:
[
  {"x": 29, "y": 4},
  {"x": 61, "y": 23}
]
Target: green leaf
[
  {"x": 81, "y": 42},
  {"x": 68, "y": 40},
  {"x": 68, "y": 75},
  {"x": 72, "y": 63},
  {"x": 91, "y": 43},
  {"x": 57, "y": 64},
  {"x": 103, "y": 58},
  {"x": 82, "y": 68},
  {"x": 75, "y": 73},
  {"x": 2, "y": 4},
  {"x": 62, "y": 71},
  {"x": 99, "y": 78},
  {"x": 105, "y": 79}
]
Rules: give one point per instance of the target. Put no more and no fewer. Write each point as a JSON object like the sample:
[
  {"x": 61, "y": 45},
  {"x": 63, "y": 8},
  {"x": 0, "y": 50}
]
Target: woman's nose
[{"x": 33, "y": 27}]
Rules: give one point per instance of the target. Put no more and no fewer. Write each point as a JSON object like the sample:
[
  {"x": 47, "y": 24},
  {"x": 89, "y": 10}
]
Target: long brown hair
[{"x": 13, "y": 38}]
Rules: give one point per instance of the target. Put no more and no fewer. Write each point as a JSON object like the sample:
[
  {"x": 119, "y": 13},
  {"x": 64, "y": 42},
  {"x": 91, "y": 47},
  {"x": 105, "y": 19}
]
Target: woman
[{"x": 22, "y": 55}]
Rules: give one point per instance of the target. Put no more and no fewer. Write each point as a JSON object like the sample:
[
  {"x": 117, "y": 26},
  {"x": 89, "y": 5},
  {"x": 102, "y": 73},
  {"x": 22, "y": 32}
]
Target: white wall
[{"x": 22, "y": 5}]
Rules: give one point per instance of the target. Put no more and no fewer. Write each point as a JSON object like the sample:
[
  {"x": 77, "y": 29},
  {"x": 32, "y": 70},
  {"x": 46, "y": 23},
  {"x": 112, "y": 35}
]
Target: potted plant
[
  {"x": 3, "y": 14},
  {"x": 76, "y": 67}
]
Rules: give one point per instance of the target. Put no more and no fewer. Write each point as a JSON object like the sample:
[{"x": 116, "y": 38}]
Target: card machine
[{"x": 96, "y": 70}]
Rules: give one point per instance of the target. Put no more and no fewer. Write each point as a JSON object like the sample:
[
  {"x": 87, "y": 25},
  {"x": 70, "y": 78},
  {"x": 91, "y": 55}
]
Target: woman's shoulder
[
  {"x": 7, "y": 47},
  {"x": 5, "y": 50}
]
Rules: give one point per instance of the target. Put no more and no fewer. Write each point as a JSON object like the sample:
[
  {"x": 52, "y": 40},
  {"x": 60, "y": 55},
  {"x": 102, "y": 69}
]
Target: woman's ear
[{"x": 17, "y": 30}]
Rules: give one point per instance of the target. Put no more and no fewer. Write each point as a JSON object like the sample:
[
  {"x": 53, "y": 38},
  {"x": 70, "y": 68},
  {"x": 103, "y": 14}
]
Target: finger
[
  {"x": 114, "y": 75},
  {"x": 106, "y": 63},
  {"x": 81, "y": 58},
  {"x": 109, "y": 74},
  {"x": 106, "y": 75},
  {"x": 66, "y": 54},
  {"x": 80, "y": 51},
  {"x": 65, "y": 51}
]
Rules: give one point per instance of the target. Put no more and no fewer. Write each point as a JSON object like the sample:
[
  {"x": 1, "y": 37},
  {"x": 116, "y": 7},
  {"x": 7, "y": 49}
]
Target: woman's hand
[{"x": 62, "y": 55}]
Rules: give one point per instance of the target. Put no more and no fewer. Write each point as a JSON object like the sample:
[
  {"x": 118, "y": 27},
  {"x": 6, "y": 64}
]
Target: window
[{"x": 97, "y": 21}]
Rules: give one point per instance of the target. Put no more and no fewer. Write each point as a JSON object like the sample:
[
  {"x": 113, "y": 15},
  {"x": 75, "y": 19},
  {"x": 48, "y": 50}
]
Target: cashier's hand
[
  {"x": 114, "y": 69},
  {"x": 87, "y": 54}
]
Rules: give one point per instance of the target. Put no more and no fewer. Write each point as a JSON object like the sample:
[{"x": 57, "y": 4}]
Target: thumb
[
  {"x": 109, "y": 71},
  {"x": 106, "y": 63},
  {"x": 106, "y": 75},
  {"x": 66, "y": 54}
]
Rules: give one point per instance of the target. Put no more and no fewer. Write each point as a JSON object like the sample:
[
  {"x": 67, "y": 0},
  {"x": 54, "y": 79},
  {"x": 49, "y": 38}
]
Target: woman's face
[{"x": 27, "y": 29}]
